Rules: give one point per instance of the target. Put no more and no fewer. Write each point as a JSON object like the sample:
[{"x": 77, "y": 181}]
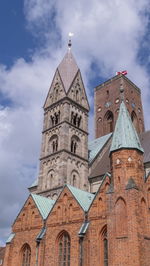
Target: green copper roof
[
  {"x": 96, "y": 145},
  {"x": 84, "y": 198},
  {"x": 10, "y": 238},
  {"x": 44, "y": 204},
  {"x": 125, "y": 135}
]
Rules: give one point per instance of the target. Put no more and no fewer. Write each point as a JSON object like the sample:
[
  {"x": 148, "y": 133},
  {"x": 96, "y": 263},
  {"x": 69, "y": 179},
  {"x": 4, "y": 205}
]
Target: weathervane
[{"x": 70, "y": 34}]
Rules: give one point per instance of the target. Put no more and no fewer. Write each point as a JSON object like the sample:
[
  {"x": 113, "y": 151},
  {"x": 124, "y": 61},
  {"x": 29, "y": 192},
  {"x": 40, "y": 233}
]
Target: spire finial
[{"x": 70, "y": 34}]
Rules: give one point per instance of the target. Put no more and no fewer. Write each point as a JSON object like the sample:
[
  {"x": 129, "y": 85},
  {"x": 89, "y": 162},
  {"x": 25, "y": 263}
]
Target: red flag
[{"x": 124, "y": 72}]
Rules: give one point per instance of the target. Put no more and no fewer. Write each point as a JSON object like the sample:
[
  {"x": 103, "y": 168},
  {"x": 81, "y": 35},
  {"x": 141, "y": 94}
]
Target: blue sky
[
  {"x": 109, "y": 36},
  {"x": 16, "y": 40}
]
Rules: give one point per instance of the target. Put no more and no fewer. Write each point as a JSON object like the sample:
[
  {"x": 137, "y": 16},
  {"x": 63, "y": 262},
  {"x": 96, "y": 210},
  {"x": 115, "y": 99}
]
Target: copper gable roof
[
  {"x": 68, "y": 69},
  {"x": 103, "y": 164}
]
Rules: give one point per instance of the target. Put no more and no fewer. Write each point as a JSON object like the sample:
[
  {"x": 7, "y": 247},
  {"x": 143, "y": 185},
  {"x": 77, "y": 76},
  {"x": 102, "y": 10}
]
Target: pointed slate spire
[
  {"x": 68, "y": 69},
  {"x": 125, "y": 135}
]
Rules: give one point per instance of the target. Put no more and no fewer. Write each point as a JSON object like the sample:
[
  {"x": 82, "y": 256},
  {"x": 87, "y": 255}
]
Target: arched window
[
  {"x": 50, "y": 179},
  {"x": 105, "y": 243},
  {"x": 56, "y": 91},
  {"x": 144, "y": 215},
  {"x": 77, "y": 95},
  {"x": 135, "y": 120},
  {"x": 53, "y": 144},
  {"x": 75, "y": 119},
  {"x": 121, "y": 215},
  {"x": 74, "y": 144},
  {"x": 74, "y": 180},
  {"x": 108, "y": 122},
  {"x": 64, "y": 250},
  {"x": 26, "y": 255},
  {"x": 104, "y": 247}
]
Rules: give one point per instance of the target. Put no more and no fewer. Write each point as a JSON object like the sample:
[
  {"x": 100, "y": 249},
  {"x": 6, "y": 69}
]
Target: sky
[{"x": 109, "y": 36}]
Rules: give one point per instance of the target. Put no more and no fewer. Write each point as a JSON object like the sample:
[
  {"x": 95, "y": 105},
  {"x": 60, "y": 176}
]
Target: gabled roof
[
  {"x": 44, "y": 204},
  {"x": 83, "y": 198},
  {"x": 68, "y": 69},
  {"x": 125, "y": 135},
  {"x": 96, "y": 145},
  {"x": 10, "y": 238}
]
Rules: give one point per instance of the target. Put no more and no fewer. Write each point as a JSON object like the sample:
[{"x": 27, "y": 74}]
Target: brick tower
[
  {"x": 64, "y": 151},
  {"x": 107, "y": 102},
  {"x": 128, "y": 230}
]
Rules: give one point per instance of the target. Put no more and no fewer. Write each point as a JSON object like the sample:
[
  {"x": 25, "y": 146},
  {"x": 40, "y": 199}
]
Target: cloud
[{"x": 108, "y": 37}]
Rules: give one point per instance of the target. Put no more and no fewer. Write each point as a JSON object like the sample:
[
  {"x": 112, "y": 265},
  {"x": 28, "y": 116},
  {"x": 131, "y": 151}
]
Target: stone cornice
[
  {"x": 50, "y": 128},
  {"x": 66, "y": 100},
  {"x": 61, "y": 151}
]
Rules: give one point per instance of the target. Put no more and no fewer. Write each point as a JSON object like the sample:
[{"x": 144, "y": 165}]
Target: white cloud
[{"x": 108, "y": 33}]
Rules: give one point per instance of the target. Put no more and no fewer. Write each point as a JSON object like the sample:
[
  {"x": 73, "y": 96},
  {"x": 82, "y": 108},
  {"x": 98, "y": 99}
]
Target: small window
[
  {"x": 118, "y": 161},
  {"x": 129, "y": 159}
]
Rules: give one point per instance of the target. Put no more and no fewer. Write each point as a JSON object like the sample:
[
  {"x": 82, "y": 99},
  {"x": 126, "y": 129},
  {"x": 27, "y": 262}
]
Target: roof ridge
[
  {"x": 68, "y": 69},
  {"x": 43, "y": 204},
  {"x": 84, "y": 198}
]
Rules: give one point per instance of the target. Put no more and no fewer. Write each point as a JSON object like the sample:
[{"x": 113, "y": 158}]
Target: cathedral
[{"x": 90, "y": 203}]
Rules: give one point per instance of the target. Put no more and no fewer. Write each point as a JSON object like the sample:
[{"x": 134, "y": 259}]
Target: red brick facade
[
  {"x": 107, "y": 102},
  {"x": 120, "y": 213}
]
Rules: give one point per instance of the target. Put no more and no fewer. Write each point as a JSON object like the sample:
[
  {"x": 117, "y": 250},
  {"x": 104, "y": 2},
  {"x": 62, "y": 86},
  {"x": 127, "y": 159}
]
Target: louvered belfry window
[
  {"x": 64, "y": 250},
  {"x": 26, "y": 255}
]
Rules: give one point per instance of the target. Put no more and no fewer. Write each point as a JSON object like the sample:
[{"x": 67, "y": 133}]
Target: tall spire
[
  {"x": 125, "y": 135},
  {"x": 68, "y": 67}
]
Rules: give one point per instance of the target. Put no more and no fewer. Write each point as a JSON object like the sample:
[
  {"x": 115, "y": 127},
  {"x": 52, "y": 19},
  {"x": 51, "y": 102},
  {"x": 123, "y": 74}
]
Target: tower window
[
  {"x": 55, "y": 119},
  {"x": 74, "y": 180},
  {"x": 53, "y": 144},
  {"x": 108, "y": 122},
  {"x": 75, "y": 119},
  {"x": 74, "y": 144},
  {"x": 77, "y": 95}
]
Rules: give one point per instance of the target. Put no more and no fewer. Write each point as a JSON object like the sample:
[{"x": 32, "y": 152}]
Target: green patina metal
[
  {"x": 83, "y": 198},
  {"x": 96, "y": 145},
  {"x": 44, "y": 204},
  {"x": 125, "y": 135},
  {"x": 10, "y": 238}
]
